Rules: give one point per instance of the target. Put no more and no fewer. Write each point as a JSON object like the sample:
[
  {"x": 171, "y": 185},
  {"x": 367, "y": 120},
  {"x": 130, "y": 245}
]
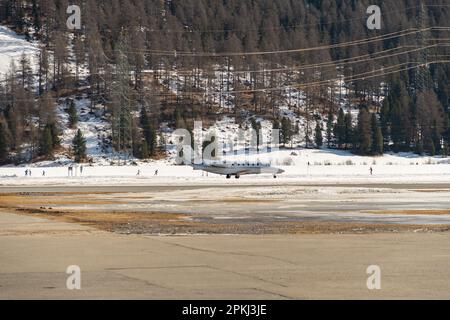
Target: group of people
[
  {"x": 71, "y": 170},
  {"x": 139, "y": 172},
  {"x": 28, "y": 173}
]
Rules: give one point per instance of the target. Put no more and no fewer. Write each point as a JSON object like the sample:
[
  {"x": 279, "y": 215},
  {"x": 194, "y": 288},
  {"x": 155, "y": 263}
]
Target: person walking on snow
[{"x": 371, "y": 171}]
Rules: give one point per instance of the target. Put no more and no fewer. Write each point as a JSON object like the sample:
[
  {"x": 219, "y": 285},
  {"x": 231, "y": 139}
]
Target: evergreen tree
[
  {"x": 364, "y": 131},
  {"x": 73, "y": 115},
  {"x": 55, "y": 136},
  {"x": 318, "y": 135},
  {"x": 26, "y": 73},
  {"x": 286, "y": 131},
  {"x": 79, "y": 147},
  {"x": 419, "y": 147},
  {"x": 144, "y": 150},
  {"x": 330, "y": 121},
  {"x": 378, "y": 142},
  {"x": 432, "y": 148},
  {"x": 3, "y": 145},
  {"x": 149, "y": 132},
  {"x": 46, "y": 143},
  {"x": 436, "y": 137},
  {"x": 36, "y": 16},
  {"x": 348, "y": 129},
  {"x": 340, "y": 129},
  {"x": 43, "y": 72},
  {"x": 152, "y": 140}
]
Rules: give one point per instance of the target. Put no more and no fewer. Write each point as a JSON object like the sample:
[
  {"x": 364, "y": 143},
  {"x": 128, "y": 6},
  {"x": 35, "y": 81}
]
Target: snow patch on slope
[
  {"x": 92, "y": 124},
  {"x": 11, "y": 48}
]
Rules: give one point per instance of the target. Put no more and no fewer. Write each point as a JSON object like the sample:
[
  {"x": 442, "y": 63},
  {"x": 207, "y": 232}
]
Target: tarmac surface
[{"x": 35, "y": 253}]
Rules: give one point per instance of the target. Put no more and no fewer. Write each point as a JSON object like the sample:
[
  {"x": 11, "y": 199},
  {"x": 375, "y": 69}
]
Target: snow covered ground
[
  {"x": 11, "y": 48},
  {"x": 325, "y": 166},
  {"x": 93, "y": 126}
]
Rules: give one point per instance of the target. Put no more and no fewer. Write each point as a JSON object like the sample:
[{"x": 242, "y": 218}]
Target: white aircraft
[{"x": 238, "y": 169}]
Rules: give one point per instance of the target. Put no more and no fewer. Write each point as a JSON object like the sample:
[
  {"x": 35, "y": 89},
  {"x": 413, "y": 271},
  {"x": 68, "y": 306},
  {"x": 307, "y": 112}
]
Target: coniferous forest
[{"x": 171, "y": 62}]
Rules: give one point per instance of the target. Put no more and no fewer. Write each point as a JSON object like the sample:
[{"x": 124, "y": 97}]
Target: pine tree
[
  {"x": 149, "y": 132},
  {"x": 364, "y": 136},
  {"x": 144, "y": 150},
  {"x": 79, "y": 146},
  {"x": 122, "y": 100},
  {"x": 79, "y": 53},
  {"x": 46, "y": 143},
  {"x": 432, "y": 148},
  {"x": 419, "y": 147},
  {"x": 340, "y": 129},
  {"x": 436, "y": 137},
  {"x": 330, "y": 121},
  {"x": 318, "y": 136},
  {"x": 286, "y": 131},
  {"x": 73, "y": 115},
  {"x": 378, "y": 142},
  {"x": 43, "y": 72},
  {"x": 348, "y": 130},
  {"x": 3, "y": 145},
  {"x": 26, "y": 72},
  {"x": 36, "y": 16},
  {"x": 152, "y": 140},
  {"x": 429, "y": 120},
  {"x": 54, "y": 132}
]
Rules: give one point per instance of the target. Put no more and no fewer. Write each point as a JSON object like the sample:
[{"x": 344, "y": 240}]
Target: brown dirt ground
[{"x": 170, "y": 223}]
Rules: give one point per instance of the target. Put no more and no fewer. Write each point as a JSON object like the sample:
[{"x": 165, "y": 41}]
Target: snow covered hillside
[
  {"x": 12, "y": 46},
  {"x": 96, "y": 128}
]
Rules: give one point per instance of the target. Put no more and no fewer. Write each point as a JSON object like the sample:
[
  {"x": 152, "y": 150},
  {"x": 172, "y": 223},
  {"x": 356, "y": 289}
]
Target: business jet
[{"x": 238, "y": 169}]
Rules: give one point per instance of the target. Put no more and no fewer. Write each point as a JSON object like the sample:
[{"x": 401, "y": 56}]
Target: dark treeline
[{"x": 127, "y": 37}]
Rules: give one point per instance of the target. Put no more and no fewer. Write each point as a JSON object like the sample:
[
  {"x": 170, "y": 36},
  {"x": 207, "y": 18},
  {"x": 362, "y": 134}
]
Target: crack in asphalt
[{"x": 226, "y": 252}]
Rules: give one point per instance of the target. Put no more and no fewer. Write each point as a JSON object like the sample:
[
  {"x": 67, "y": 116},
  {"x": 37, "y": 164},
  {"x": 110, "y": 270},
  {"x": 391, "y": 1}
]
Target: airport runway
[{"x": 35, "y": 253}]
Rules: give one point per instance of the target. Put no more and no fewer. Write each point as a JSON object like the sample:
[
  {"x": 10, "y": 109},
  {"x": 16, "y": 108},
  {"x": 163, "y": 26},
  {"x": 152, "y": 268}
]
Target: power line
[
  {"x": 360, "y": 76},
  {"x": 337, "y": 63},
  {"x": 292, "y": 26},
  {"x": 388, "y": 36}
]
